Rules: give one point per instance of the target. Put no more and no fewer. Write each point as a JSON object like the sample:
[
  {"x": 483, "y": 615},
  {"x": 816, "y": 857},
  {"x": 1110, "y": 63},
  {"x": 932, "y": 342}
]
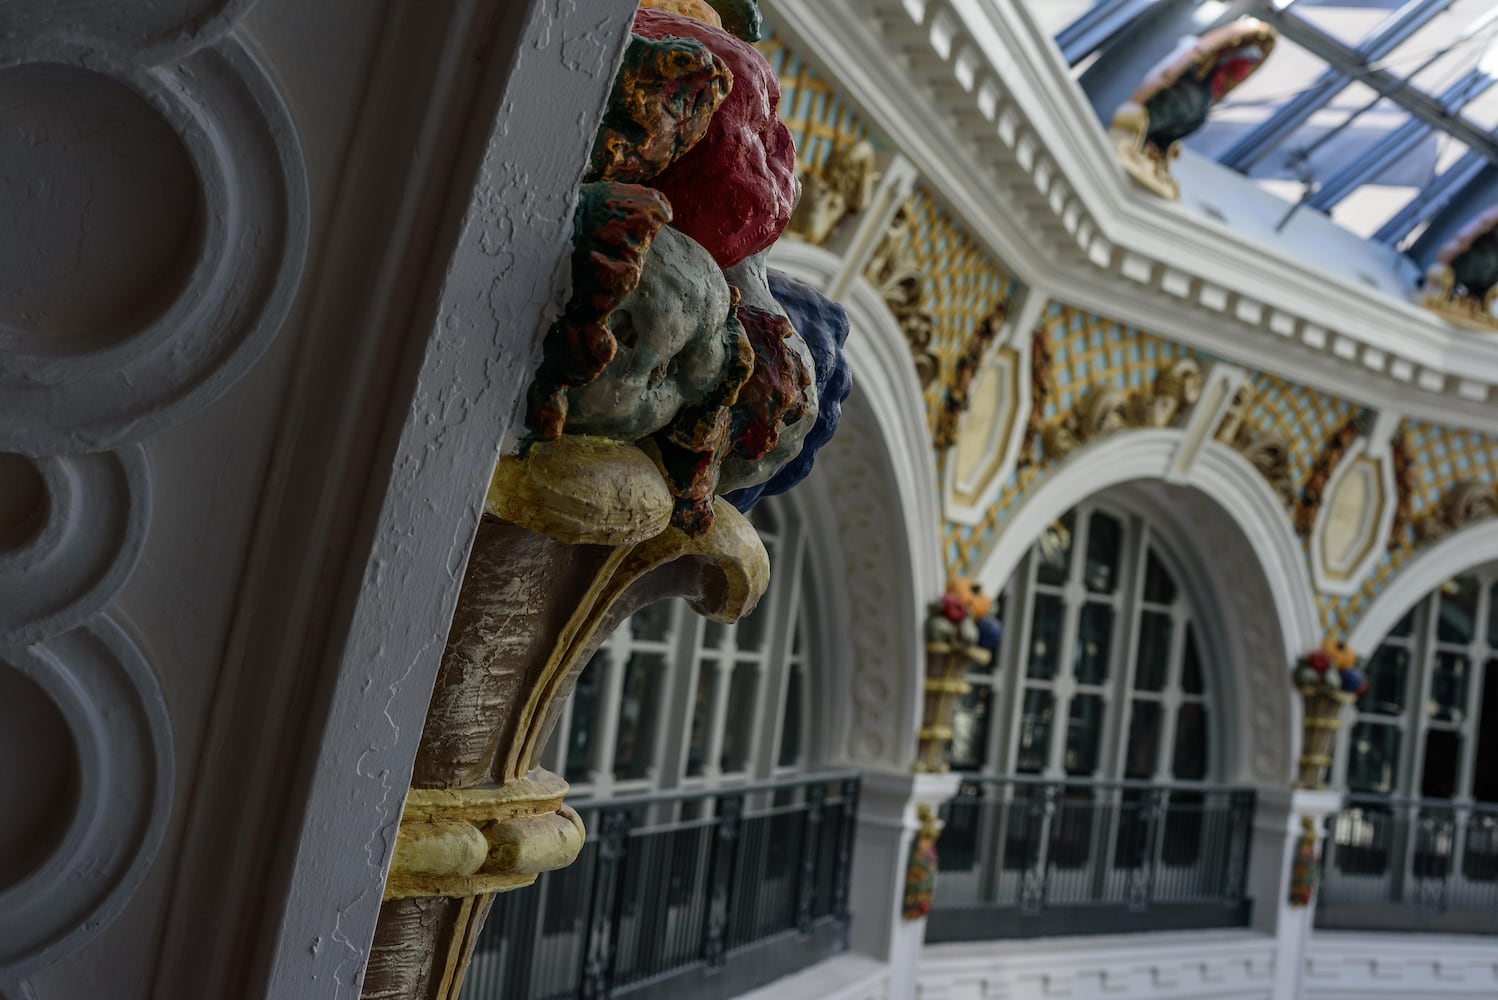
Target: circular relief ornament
[
  {"x": 142, "y": 33},
  {"x": 88, "y": 852},
  {"x": 71, "y": 531},
  {"x": 157, "y": 225}
]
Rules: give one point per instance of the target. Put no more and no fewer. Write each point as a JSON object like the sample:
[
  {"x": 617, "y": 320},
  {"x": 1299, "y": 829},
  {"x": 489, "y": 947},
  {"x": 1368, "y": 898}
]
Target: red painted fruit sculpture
[{"x": 734, "y": 191}]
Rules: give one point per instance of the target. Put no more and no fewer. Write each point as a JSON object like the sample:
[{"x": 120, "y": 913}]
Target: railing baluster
[
  {"x": 603, "y": 914},
  {"x": 844, "y": 875},
  {"x": 730, "y": 812},
  {"x": 1240, "y": 824},
  {"x": 1142, "y": 878},
  {"x": 1039, "y": 824},
  {"x": 811, "y": 845}
]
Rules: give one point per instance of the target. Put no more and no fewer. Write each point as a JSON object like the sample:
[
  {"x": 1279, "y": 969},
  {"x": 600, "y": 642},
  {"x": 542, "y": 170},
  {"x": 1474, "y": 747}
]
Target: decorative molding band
[{"x": 471, "y": 841}]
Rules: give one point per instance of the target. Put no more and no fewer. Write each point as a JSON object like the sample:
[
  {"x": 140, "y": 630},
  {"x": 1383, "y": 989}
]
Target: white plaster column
[
  {"x": 1276, "y": 835},
  {"x": 887, "y": 825}
]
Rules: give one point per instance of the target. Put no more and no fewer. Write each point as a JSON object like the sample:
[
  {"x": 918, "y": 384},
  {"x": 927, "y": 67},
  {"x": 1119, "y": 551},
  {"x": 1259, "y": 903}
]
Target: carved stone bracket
[
  {"x": 539, "y": 596},
  {"x": 1271, "y": 456},
  {"x": 896, "y": 274},
  {"x": 1106, "y": 410},
  {"x": 841, "y": 186}
]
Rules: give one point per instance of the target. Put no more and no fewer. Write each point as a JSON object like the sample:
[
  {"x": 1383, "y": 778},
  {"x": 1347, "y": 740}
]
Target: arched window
[
  {"x": 1416, "y": 842},
  {"x": 671, "y": 700},
  {"x": 1088, "y": 750},
  {"x": 1101, "y": 674},
  {"x": 1428, "y": 717}
]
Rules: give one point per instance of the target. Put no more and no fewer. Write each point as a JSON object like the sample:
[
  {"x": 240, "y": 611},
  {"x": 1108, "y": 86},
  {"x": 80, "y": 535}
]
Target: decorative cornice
[{"x": 990, "y": 115}]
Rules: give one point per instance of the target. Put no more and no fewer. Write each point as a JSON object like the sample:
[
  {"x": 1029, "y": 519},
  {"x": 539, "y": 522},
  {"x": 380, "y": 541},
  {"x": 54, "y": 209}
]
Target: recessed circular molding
[
  {"x": 144, "y": 33},
  {"x": 204, "y": 278},
  {"x": 82, "y": 537},
  {"x": 104, "y": 691}
]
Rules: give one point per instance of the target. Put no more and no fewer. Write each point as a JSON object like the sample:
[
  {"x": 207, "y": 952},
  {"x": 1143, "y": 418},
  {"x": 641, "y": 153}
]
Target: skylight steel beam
[
  {"x": 1092, "y": 30},
  {"x": 1432, "y": 199},
  {"x": 1294, "y": 113},
  {"x": 1350, "y": 62},
  {"x": 1398, "y": 143}
]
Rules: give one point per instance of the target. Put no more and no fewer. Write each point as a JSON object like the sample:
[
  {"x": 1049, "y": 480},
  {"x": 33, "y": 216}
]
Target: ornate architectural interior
[{"x": 855, "y": 499}]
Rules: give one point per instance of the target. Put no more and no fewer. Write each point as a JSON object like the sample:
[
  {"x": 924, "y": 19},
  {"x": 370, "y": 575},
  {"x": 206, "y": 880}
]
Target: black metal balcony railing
[
  {"x": 697, "y": 894},
  {"x": 1410, "y": 865},
  {"x": 1023, "y": 857}
]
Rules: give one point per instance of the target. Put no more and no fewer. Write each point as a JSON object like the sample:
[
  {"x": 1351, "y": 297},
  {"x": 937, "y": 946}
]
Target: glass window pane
[
  {"x": 1053, "y": 551},
  {"x": 1457, "y": 615},
  {"x": 1094, "y": 640},
  {"x": 1191, "y": 665},
  {"x": 1405, "y": 627},
  {"x": 1144, "y": 740},
  {"x": 652, "y": 623},
  {"x": 714, "y": 635},
  {"x": 1104, "y": 540},
  {"x": 752, "y": 633},
  {"x": 1045, "y": 637},
  {"x": 1485, "y": 774},
  {"x": 1443, "y": 754},
  {"x": 584, "y": 718},
  {"x": 1373, "y": 762},
  {"x": 970, "y": 729},
  {"x": 1159, "y": 586},
  {"x": 702, "y": 717},
  {"x": 1084, "y": 734},
  {"x": 1387, "y": 673},
  {"x": 639, "y": 715},
  {"x": 764, "y": 520},
  {"x": 790, "y": 721},
  {"x": 1035, "y": 732},
  {"x": 1190, "y": 761},
  {"x": 1448, "y": 687},
  {"x": 740, "y": 720},
  {"x": 1152, "y": 662}
]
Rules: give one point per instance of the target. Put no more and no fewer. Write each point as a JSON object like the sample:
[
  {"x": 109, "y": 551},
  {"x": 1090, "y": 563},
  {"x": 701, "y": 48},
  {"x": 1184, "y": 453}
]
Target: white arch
[
  {"x": 1452, "y": 555},
  {"x": 1266, "y": 638},
  {"x": 873, "y": 517}
]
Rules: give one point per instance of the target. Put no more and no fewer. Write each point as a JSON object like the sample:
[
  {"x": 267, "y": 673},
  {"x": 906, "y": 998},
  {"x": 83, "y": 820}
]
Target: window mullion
[
  {"x": 1421, "y": 681},
  {"x": 774, "y": 677},
  {"x": 1015, "y": 684},
  {"x": 1125, "y": 666},
  {"x": 1064, "y": 685},
  {"x": 681, "y": 688},
  {"x": 610, "y": 703}
]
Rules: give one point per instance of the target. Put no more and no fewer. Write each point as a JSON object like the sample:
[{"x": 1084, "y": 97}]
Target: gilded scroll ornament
[
  {"x": 956, "y": 397},
  {"x": 1270, "y": 456},
  {"x": 841, "y": 186},
  {"x": 1465, "y": 504},
  {"x": 897, "y": 276},
  {"x": 1042, "y": 390},
  {"x": 1175, "y": 101},
  {"x": 1106, "y": 410},
  {"x": 1462, "y": 285},
  {"x": 1333, "y": 450},
  {"x": 1404, "y": 489}
]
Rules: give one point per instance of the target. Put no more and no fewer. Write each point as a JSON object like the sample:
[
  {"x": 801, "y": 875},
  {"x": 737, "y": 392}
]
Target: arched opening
[
  {"x": 1097, "y": 747},
  {"x": 1417, "y": 839}
]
